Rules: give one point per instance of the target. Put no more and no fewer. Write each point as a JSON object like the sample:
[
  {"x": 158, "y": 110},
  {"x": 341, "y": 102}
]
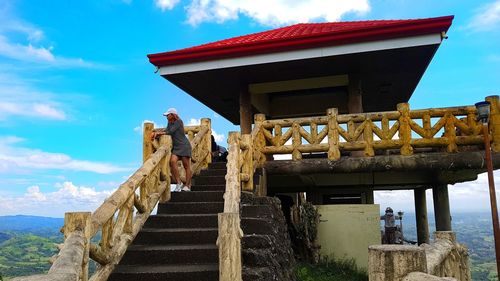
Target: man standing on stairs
[{"x": 181, "y": 149}]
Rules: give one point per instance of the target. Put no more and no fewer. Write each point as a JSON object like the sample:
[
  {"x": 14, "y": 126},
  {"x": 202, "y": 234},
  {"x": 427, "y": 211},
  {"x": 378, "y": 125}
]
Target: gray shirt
[{"x": 180, "y": 143}]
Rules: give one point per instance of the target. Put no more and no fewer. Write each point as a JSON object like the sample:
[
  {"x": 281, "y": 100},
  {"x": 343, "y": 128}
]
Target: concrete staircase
[{"x": 178, "y": 243}]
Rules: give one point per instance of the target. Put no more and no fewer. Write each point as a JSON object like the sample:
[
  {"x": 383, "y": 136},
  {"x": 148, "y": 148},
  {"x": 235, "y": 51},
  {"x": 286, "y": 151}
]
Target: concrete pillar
[
  {"x": 394, "y": 262},
  {"x": 245, "y": 112},
  {"x": 421, "y": 216},
  {"x": 441, "y": 207}
]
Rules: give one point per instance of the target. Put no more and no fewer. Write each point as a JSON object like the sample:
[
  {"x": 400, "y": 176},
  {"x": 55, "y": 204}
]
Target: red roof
[{"x": 303, "y": 36}]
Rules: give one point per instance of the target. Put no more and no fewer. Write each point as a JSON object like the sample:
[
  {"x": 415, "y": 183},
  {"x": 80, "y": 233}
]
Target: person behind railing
[
  {"x": 390, "y": 227},
  {"x": 181, "y": 149},
  {"x": 219, "y": 153}
]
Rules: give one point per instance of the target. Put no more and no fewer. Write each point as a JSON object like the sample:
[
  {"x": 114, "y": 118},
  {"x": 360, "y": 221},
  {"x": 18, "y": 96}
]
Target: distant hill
[{"x": 31, "y": 224}]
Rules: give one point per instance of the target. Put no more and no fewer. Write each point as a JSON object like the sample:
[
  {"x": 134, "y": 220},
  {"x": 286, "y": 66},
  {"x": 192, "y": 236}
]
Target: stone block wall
[{"x": 266, "y": 248}]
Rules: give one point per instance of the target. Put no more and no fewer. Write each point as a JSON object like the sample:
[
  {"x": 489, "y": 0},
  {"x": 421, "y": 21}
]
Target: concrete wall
[{"x": 346, "y": 231}]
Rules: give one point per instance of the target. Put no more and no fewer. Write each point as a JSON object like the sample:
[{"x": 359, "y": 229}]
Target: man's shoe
[{"x": 185, "y": 188}]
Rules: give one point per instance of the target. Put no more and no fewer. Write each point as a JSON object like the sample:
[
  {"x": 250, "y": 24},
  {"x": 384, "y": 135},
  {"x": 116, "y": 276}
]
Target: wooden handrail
[
  {"x": 403, "y": 130},
  {"x": 230, "y": 233},
  {"x": 123, "y": 214}
]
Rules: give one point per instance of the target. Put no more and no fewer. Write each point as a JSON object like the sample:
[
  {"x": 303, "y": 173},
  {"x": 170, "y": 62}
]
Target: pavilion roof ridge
[{"x": 303, "y": 36}]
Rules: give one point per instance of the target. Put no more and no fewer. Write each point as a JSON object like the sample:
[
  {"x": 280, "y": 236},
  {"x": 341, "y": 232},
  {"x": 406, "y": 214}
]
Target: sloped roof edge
[{"x": 303, "y": 36}]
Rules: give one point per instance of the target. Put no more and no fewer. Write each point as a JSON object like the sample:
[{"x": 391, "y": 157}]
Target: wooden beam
[{"x": 428, "y": 162}]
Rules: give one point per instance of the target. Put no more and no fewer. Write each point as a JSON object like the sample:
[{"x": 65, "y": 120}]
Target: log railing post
[
  {"x": 494, "y": 122},
  {"x": 80, "y": 221},
  {"x": 229, "y": 242},
  {"x": 368, "y": 137},
  {"x": 259, "y": 139},
  {"x": 247, "y": 167},
  {"x": 207, "y": 142},
  {"x": 147, "y": 146},
  {"x": 165, "y": 168},
  {"x": 229, "y": 239},
  {"x": 450, "y": 133},
  {"x": 404, "y": 128},
  {"x": 296, "y": 141},
  {"x": 333, "y": 134},
  {"x": 233, "y": 182}
]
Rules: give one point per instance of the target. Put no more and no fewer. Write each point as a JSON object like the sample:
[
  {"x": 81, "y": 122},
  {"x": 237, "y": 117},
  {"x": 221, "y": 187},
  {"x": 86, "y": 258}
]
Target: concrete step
[
  {"x": 179, "y": 236},
  {"x": 209, "y": 187},
  {"x": 182, "y": 221},
  {"x": 190, "y": 208},
  {"x": 217, "y": 165},
  {"x": 197, "y": 272},
  {"x": 170, "y": 254},
  {"x": 213, "y": 172},
  {"x": 209, "y": 180},
  {"x": 197, "y": 196}
]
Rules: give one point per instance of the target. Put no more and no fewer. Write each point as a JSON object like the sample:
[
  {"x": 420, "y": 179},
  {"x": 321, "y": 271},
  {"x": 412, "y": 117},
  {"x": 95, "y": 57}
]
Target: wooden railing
[
  {"x": 401, "y": 131},
  {"x": 239, "y": 175},
  {"x": 122, "y": 215}
]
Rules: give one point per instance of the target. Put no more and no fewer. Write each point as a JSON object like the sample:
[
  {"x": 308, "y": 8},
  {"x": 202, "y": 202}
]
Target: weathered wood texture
[
  {"x": 453, "y": 129},
  {"x": 119, "y": 218},
  {"x": 430, "y": 161},
  {"x": 229, "y": 242}
]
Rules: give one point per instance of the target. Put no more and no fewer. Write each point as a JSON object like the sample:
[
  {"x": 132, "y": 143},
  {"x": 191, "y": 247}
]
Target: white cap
[{"x": 170, "y": 111}]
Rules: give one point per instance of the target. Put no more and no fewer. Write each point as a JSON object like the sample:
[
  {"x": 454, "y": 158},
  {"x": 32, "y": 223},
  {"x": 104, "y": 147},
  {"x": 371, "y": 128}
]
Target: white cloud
[
  {"x": 486, "y": 17},
  {"x": 467, "y": 196},
  {"x": 194, "y": 122},
  {"x": 18, "y": 97},
  {"x": 140, "y": 129},
  {"x": 218, "y": 137},
  {"x": 273, "y": 12},
  {"x": 166, "y": 4},
  {"x": 15, "y": 159},
  {"x": 67, "y": 198},
  {"x": 21, "y": 41}
]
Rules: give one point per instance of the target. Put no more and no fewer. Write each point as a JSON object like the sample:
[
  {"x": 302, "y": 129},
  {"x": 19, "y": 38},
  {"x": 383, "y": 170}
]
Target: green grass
[{"x": 330, "y": 270}]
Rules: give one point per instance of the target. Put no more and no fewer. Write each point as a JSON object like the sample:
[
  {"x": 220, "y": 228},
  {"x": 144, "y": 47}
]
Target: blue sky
[{"x": 76, "y": 86}]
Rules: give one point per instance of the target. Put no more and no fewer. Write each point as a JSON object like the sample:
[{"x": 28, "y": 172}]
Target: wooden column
[
  {"x": 245, "y": 112},
  {"x": 229, "y": 242},
  {"x": 207, "y": 141},
  {"x": 80, "y": 221},
  {"x": 441, "y": 207},
  {"x": 333, "y": 134},
  {"x": 494, "y": 125},
  {"x": 147, "y": 147},
  {"x": 421, "y": 216},
  {"x": 405, "y": 129}
]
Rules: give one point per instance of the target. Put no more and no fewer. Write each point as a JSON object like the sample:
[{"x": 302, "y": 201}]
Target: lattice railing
[{"x": 402, "y": 131}]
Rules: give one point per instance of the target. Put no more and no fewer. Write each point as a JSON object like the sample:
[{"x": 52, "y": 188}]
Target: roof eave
[{"x": 404, "y": 29}]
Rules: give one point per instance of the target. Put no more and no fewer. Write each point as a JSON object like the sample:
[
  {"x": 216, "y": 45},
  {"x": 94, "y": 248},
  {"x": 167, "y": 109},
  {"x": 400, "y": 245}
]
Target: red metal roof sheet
[{"x": 303, "y": 36}]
